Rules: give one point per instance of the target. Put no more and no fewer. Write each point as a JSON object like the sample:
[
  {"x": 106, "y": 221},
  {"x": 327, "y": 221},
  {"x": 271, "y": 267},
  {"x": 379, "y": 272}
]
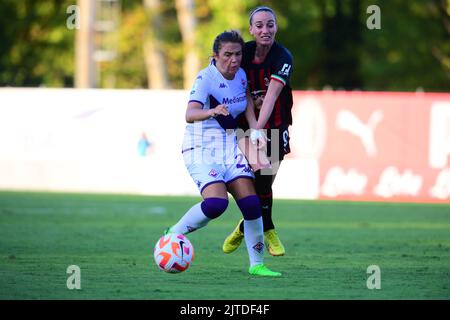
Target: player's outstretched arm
[
  {"x": 273, "y": 91},
  {"x": 257, "y": 158},
  {"x": 195, "y": 112},
  {"x": 256, "y": 136},
  {"x": 250, "y": 111}
]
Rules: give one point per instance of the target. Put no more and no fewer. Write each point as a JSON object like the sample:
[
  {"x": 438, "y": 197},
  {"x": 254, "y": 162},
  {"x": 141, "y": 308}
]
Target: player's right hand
[{"x": 220, "y": 109}]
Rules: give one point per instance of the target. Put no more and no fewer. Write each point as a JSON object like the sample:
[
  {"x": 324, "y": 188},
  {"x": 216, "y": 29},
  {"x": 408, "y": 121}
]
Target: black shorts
[{"x": 281, "y": 142}]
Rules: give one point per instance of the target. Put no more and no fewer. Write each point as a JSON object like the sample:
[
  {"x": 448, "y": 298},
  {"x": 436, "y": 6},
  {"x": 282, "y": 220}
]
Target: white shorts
[{"x": 207, "y": 166}]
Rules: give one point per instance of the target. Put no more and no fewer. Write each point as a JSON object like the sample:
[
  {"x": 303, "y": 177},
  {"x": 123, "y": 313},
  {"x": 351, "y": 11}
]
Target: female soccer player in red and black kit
[{"x": 268, "y": 66}]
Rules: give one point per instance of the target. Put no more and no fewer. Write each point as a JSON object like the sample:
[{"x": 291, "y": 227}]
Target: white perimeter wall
[
  {"x": 345, "y": 145},
  {"x": 87, "y": 141}
]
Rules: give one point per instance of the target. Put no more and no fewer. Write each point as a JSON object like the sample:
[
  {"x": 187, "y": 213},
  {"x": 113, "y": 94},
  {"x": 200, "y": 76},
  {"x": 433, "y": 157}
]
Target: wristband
[{"x": 255, "y": 135}]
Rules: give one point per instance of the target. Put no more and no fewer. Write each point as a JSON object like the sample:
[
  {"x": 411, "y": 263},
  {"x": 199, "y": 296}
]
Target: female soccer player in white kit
[{"x": 211, "y": 153}]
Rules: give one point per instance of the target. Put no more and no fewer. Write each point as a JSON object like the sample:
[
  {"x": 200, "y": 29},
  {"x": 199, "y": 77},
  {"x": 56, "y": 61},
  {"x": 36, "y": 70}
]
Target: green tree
[
  {"x": 128, "y": 68},
  {"x": 404, "y": 54},
  {"x": 36, "y": 47},
  {"x": 329, "y": 40}
]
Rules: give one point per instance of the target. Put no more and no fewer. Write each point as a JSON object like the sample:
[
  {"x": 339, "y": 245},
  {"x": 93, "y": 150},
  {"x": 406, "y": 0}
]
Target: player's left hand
[{"x": 258, "y": 102}]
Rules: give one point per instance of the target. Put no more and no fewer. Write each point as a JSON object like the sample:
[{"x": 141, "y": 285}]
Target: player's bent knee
[
  {"x": 214, "y": 207},
  {"x": 250, "y": 207}
]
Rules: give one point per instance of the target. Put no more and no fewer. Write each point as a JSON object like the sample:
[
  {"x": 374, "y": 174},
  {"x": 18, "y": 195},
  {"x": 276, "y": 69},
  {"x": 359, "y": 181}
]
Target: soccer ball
[{"x": 173, "y": 253}]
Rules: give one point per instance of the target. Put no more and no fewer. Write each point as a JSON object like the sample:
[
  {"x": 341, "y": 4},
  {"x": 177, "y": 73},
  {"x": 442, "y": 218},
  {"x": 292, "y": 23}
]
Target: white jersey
[{"x": 211, "y": 89}]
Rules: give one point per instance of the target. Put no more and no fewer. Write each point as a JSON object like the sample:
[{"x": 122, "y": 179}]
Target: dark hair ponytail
[{"x": 227, "y": 36}]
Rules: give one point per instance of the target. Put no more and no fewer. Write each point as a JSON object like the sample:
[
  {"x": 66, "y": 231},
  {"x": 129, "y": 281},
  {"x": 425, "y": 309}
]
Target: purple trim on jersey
[
  {"x": 218, "y": 181},
  {"x": 186, "y": 150},
  {"x": 238, "y": 177},
  {"x": 226, "y": 122},
  {"x": 250, "y": 207},
  {"x": 197, "y": 102}
]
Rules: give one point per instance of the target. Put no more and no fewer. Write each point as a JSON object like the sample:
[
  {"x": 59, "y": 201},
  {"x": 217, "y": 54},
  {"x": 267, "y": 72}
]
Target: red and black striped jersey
[{"x": 277, "y": 66}]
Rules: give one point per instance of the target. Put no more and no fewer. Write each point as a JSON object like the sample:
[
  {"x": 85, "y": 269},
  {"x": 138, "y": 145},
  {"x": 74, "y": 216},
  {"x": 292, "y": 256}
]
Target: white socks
[
  {"x": 254, "y": 239},
  {"x": 253, "y": 231},
  {"x": 192, "y": 220}
]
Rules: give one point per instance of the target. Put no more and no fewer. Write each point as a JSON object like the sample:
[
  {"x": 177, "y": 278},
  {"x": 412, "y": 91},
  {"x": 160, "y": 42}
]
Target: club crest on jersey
[
  {"x": 244, "y": 83},
  {"x": 213, "y": 173},
  {"x": 259, "y": 247},
  {"x": 222, "y": 85}
]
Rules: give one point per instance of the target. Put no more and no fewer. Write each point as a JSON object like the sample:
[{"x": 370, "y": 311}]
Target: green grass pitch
[{"x": 329, "y": 247}]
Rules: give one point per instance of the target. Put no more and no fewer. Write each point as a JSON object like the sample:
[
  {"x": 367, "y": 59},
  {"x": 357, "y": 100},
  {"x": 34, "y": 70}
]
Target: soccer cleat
[
  {"x": 167, "y": 231},
  {"x": 234, "y": 240},
  {"x": 274, "y": 244},
  {"x": 262, "y": 270}
]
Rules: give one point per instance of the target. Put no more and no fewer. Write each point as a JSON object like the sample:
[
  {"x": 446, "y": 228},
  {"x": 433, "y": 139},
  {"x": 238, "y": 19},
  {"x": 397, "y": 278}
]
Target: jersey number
[
  {"x": 240, "y": 165},
  {"x": 285, "y": 138}
]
